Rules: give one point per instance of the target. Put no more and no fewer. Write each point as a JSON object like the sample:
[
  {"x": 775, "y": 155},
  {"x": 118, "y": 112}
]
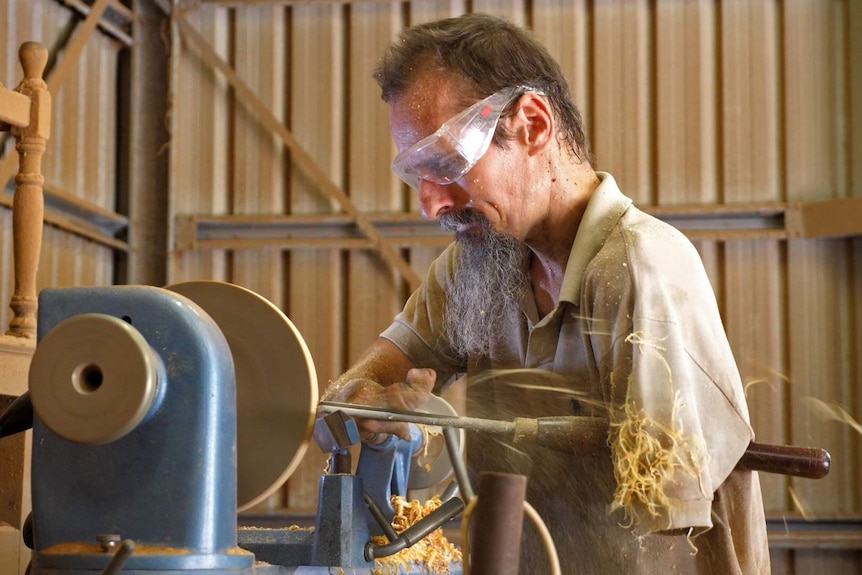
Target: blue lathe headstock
[
  {"x": 159, "y": 413},
  {"x": 134, "y": 433}
]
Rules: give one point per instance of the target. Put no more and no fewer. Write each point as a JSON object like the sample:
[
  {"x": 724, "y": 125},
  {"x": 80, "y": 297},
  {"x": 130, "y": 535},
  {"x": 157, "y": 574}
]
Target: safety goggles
[{"x": 458, "y": 144}]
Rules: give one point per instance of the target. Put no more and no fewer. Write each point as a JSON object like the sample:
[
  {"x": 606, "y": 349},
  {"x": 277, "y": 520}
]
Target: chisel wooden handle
[
  {"x": 809, "y": 462},
  {"x": 586, "y": 435}
]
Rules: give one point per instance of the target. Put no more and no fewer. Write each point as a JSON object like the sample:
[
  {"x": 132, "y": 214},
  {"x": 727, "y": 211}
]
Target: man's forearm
[{"x": 383, "y": 363}]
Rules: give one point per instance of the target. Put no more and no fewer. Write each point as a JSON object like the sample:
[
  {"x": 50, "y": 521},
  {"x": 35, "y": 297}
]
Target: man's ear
[{"x": 534, "y": 123}]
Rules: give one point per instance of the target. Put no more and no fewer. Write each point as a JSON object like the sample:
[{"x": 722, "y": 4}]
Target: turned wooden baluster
[{"x": 28, "y": 204}]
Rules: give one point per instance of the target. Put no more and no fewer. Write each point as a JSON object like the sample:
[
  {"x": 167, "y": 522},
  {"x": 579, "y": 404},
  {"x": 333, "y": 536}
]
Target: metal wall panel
[
  {"x": 80, "y": 159},
  {"x": 316, "y": 277},
  {"x": 698, "y": 102}
]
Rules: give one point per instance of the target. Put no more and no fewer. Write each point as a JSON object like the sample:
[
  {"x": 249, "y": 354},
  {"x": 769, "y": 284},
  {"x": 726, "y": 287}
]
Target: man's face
[{"x": 489, "y": 187}]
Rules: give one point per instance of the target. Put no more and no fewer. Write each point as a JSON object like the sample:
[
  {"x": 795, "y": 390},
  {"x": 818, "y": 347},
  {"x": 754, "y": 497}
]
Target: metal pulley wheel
[{"x": 276, "y": 385}]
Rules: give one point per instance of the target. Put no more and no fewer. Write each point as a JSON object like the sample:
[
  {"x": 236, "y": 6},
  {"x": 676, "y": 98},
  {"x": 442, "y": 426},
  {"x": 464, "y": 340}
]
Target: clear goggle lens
[{"x": 457, "y": 145}]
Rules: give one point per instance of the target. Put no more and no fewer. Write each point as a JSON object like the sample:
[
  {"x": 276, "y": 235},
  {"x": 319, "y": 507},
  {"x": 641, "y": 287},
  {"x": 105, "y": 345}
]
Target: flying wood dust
[{"x": 832, "y": 411}]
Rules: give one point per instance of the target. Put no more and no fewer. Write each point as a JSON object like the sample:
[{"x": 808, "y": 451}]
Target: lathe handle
[
  {"x": 808, "y": 462},
  {"x": 587, "y": 435}
]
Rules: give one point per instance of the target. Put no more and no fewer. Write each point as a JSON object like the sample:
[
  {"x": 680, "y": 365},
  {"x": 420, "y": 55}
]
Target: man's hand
[{"x": 403, "y": 396}]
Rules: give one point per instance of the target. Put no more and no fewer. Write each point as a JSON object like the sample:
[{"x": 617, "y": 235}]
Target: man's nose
[{"x": 437, "y": 200}]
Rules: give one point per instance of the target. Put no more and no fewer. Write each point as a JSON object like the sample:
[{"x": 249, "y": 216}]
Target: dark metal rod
[
  {"x": 18, "y": 416},
  {"x": 378, "y": 516},
  {"x": 124, "y": 551},
  {"x": 457, "y": 461},
  {"x": 417, "y": 531}
]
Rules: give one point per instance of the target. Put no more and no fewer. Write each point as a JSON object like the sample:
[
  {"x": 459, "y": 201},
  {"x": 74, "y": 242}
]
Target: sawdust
[
  {"x": 74, "y": 548},
  {"x": 547, "y": 380},
  {"x": 433, "y": 555}
]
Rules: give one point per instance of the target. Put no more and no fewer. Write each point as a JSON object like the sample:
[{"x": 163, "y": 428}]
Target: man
[{"x": 554, "y": 270}]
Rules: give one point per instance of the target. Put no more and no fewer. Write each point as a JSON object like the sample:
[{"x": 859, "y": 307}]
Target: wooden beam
[
  {"x": 837, "y": 532},
  {"x": 186, "y": 5},
  {"x": 14, "y": 108},
  {"x": 116, "y": 22},
  {"x": 303, "y": 231},
  {"x": 74, "y": 226},
  {"x": 298, "y": 154},
  {"x": 97, "y": 217},
  {"x": 72, "y": 51},
  {"x": 140, "y": 152},
  {"x": 831, "y": 218}
]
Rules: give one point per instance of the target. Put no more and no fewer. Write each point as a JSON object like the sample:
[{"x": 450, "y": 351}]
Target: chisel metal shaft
[
  {"x": 381, "y": 414},
  {"x": 587, "y": 435}
]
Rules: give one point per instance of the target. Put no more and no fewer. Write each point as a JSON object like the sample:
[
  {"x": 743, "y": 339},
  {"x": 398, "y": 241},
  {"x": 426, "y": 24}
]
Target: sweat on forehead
[
  {"x": 418, "y": 112},
  {"x": 428, "y": 72},
  {"x": 441, "y": 88}
]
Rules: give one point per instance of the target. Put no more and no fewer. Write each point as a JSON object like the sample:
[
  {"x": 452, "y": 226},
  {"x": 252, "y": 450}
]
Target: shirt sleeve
[
  {"x": 419, "y": 329},
  {"x": 679, "y": 422}
]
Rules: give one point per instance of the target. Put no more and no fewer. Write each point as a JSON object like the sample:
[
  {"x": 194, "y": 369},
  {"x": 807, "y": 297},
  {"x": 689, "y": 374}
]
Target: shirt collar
[{"x": 604, "y": 210}]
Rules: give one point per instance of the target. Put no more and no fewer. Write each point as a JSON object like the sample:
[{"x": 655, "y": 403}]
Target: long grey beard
[{"x": 488, "y": 285}]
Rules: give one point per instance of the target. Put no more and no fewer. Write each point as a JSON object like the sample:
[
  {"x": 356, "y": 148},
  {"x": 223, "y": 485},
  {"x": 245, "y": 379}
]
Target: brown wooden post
[{"x": 28, "y": 205}]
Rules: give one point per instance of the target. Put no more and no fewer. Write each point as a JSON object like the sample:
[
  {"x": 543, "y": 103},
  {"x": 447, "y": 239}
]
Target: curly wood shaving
[
  {"x": 425, "y": 458},
  {"x": 756, "y": 381},
  {"x": 647, "y": 454},
  {"x": 766, "y": 379},
  {"x": 832, "y": 411},
  {"x": 689, "y": 536},
  {"x": 798, "y": 503}
]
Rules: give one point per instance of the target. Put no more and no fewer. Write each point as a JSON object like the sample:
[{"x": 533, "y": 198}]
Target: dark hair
[{"x": 490, "y": 53}]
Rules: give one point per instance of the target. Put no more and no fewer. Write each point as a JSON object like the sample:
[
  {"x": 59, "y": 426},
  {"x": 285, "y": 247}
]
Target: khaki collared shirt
[{"x": 635, "y": 337}]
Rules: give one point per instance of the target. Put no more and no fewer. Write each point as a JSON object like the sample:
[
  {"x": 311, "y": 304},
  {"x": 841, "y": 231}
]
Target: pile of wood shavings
[
  {"x": 432, "y": 555},
  {"x": 645, "y": 461}
]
